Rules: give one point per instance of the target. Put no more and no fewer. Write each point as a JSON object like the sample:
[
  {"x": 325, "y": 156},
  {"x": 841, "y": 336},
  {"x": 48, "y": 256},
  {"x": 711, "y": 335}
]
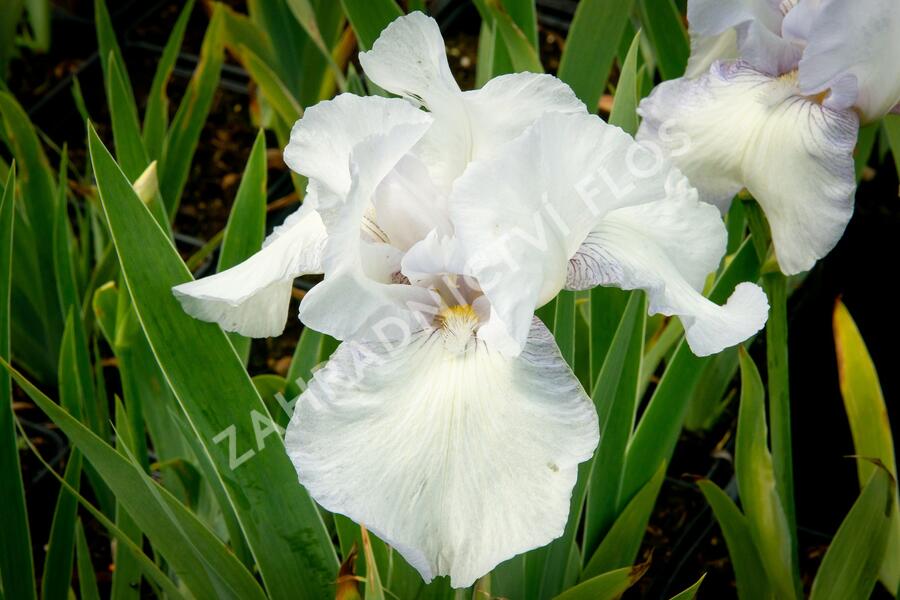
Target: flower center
[
  {"x": 458, "y": 319},
  {"x": 457, "y": 326},
  {"x": 790, "y": 80}
]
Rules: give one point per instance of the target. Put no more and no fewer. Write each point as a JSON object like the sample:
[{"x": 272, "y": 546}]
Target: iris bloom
[
  {"x": 772, "y": 102},
  {"x": 447, "y": 422}
]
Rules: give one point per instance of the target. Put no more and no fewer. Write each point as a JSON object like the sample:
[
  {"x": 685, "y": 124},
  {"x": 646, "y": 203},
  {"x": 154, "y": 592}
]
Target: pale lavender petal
[
  {"x": 757, "y": 24},
  {"x": 852, "y": 51},
  {"x": 799, "y": 19},
  {"x": 737, "y": 127}
]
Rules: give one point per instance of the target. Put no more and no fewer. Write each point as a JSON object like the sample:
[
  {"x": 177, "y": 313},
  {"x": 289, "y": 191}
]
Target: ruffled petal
[
  {"x": 252, "y": 297},
  {"x": 798, "y": 21},
  {"x": 323, "y": 139},
  {"x": 350, "y": 301},
  {"x": 457, "y": 456},
  {"x": 351, "y": 304},
  {"x": 737, "y": 127},
  {"x": 432, "y": 258},
  {"x": 667, "y": 248},
  {"x": 408, "y": 204},
  {"x": 522, "y": 215},
  {"x": 852, "y": 51},
  {"x": 757, "y": 25},
  {"x": 483, "y": 120},
  {"x": 507, "y": 105},
  {"x": 409, "y": 59}
]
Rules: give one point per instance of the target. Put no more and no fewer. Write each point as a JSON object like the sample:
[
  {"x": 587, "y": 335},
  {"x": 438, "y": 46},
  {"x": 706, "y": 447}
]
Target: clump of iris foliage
[{"x": 186, "y": 467}]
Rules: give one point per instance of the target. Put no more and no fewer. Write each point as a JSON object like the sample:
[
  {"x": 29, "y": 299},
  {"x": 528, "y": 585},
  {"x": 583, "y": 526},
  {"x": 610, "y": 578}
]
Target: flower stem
[{"x": 775, "y": 285}]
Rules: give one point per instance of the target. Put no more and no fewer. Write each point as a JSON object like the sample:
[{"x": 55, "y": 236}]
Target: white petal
[
  {"x": 435, "y": 256},
  {"x": 351, "y": 304},
  {"x": 252, "y": 297},
  {"x": 522, "y": 215},
  {"x": 409, "y": 59},
  {"x": 736, "y": 127},
  {"x": 667, "y": 248},
  {"x": 323, "y": 139},
  {"x": 455, "y": 455},
  {"x": 494, "y": 332},
  {"x": 408, "y": 204},
  {"x": 689, "y": 232},
  {"x": 852, "y": 50},
  {"x": 509, "y": 104},
  {"x": 352, "y": 299},
  {"x": 381, "y": 262},
  {"x": 494, "y": 115},
  {"x": 757, "y": 24}
]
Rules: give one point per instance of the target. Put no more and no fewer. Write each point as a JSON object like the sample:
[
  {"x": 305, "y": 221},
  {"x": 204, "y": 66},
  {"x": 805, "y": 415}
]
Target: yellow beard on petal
[
  {"x": 457, "y": 324},
  {"x": 791, "y": 78}
]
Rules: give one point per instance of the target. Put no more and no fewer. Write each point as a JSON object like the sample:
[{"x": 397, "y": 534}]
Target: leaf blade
[
  {"x": 607, "y": 586},
  {"x": 184, "y": 133},
  {"x": 868, "y": 417},
  {"x": 246, "y": 227},
  {"x": 615, "y": 395},
  {"x": 748, "y": 569},
  {"x": 203, "y": 370},
  {"x": 16, "y": 566},
  {"x": 623, "y": 541},
  {"x": 624, "y": 109},
  {"x": 662, "y": 20},
  {"x": 156, "y": 115},
  {"x": 851, "y": 564},
  {"x": 591, "y": 46},
  {"x": 194, "y": 551},
  {"x": 369, "y": 18},
  {"x": 657, "y": 432},
  {"x": 755, "y": 472}
]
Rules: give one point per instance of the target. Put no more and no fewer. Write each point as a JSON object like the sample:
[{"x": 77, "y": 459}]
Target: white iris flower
[
  {"x": 772, "y": 102},
  {"x": 447, "y": 422}
]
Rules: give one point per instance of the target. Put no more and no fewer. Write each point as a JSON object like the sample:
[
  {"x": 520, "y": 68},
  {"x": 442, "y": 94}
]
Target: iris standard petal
[
  {"x": 252, "y": 297},
  {"x": 323, "y": 139},
  {"x": 400, "y": 435},
  {"x": 667, "y": 248},
  {"x": 852, "y": 51},
  {"x": 408, "y": 204},
  {"x": 798, "y": 21},
  {"x": 736, "y": 127},
  {"x": 409, "y": 59},
  {"x": 433, "y": 259},
  {"x": 507, "y": 105},
  {"x": 350, "y": 301},
  {"x": 523, "y": 214},
  {"x": 489, "y": 118},
  {"x": 757, "y": 25}
]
